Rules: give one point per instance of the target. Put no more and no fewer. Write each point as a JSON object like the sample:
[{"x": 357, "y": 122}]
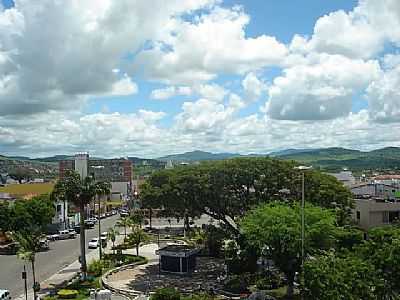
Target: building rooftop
[{"x": 177, "y": 250}]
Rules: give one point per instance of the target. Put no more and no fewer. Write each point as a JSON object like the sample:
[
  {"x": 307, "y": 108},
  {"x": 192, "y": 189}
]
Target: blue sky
[
  {"x": 120, "y": 78},
  {"x": 282, "y": 19}
]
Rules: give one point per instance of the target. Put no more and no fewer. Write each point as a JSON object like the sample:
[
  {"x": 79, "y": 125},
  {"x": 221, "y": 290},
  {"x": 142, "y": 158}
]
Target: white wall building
[
  {"x": 60, "y": 218},
  {"x": 81, "y": 164},
  {"x": 372, "y": 212}
]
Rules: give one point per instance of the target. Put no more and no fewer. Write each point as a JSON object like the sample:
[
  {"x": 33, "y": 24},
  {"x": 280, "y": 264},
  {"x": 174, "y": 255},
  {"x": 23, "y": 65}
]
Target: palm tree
[
  {"x": 124, "y": 222},
  {"x": 137, "y": 218},
  {"x": 137, "y": 237},
  {"x": 80, "y": 192},
  {"x": 29, "y": 245},
  {"x": 112, "y": 234},
  {"x": 102, "y": 188}
]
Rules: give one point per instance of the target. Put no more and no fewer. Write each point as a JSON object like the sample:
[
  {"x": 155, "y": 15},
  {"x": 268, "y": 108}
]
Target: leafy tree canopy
[
  {"x": 275, "y": 229},
  {"x": 227, "y": 189}
]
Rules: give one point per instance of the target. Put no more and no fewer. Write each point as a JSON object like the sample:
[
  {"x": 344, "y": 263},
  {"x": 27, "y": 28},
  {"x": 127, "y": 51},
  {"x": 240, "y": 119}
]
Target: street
[{"x": 61, "y": 254}]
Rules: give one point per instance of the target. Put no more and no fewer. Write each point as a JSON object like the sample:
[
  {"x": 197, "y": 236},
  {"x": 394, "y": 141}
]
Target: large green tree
[
  {"x": 226, "y": 190},
  {"x": 277, "y": 227},
  {"x": 80, "y": 192}
]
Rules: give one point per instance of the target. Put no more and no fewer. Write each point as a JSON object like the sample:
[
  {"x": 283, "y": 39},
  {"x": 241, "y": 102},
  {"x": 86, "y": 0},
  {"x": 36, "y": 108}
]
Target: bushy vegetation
[
  {"x": 173, "y": 294},
  {"x": 67, "y": 294},
  {"x": 98, "y": 267}
]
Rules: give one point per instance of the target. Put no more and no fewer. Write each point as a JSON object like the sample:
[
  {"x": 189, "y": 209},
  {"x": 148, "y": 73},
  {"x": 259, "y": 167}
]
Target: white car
[
  {"x": 63, "y": 234},
  {"x": 93, "y": 243},
  {"x": 104, "y": 234},
  {"x": 5, "y": 295},
  {"x": 53, "y": 237}
]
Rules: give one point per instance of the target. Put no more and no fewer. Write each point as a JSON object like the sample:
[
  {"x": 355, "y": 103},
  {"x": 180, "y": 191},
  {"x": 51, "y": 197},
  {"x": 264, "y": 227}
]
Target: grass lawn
[
  {"x": 114, "y": 203},
  {"x": 28, "y": 189}
]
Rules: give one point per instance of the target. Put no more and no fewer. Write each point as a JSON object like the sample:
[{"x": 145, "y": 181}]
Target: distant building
[
  {"x": 345, "y": 177},
  {"x": 372, "y": 212},
  {"x": 60, "y": 219},
  {"x": 116, "y": 171},
  {"x": 169, "y": 165},
  {"x": 377, "y": 190},
  {"x": 393, "y": 180},
  {"x": 7, "y": 197}
]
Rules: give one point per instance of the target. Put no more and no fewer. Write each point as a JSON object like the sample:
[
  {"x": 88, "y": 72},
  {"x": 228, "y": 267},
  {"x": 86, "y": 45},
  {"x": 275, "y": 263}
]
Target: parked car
[
  {"x": 89, "y": 224},
  {"x": 123, "y": 213},
  {"x": 63, "y": 234},
  {"x": 72, "y": 233},
  {"x": 77, "y": 229},
  {"x": 108, "y": 214},
  {"x": 93, "y": 243},
  {"x": 5, "y": 295},
  {"x": 53, "y": 237},
  {"x": 103, "y": 241},
  {"x": 94, "y": 220},
  {"x": 44, "y": 245}
]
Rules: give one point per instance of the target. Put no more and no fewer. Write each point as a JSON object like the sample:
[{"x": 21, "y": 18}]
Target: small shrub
[
  {"x": 67, "y": 294},
  {"x": 237, "y": 284},
  {"x": 97, "y": 267},
  {"x": 270, "y": 280},
  {"x": 166, "y": 294}
]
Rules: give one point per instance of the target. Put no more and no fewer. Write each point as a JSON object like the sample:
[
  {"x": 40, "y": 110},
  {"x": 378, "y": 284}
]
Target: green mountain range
[
  {"x": 335, "y": 159},
  {"x": 328, "y": 159}
]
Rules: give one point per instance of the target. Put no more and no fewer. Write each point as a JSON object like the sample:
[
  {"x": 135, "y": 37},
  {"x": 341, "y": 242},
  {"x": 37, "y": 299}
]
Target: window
[
  {"x": 358, "y": 215},
  {"x": 385, "y": 217},
  {"x": 393, "y": 216},
  {"x": 58, "y": 208}
]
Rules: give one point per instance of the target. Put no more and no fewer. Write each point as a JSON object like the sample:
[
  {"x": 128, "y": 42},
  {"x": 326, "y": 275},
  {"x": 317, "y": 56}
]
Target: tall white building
[{"x": 81, "y": 164}]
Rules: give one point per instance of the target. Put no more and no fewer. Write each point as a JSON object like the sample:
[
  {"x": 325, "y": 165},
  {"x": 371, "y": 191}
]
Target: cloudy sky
[{"x": 155, "y": 77}]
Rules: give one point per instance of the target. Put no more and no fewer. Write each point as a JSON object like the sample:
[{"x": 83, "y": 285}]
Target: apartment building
[{"x": 116, "y": 171}]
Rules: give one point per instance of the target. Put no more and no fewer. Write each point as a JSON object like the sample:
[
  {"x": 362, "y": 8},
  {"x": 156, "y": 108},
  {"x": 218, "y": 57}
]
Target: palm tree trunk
[
  {"x": 150, "y": 216},
  {"x": 34, "y": 278},
  {"x": 290, "y": 286},
  {"x": 83, "y": 241},
  {"x": 65, "y": 219},
  {"x": 113, "y": 247},
  {"x": 137, "y": 250}
]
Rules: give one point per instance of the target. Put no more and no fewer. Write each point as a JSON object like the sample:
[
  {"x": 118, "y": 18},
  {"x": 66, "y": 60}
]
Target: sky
[{"x": 152, "y": 77}]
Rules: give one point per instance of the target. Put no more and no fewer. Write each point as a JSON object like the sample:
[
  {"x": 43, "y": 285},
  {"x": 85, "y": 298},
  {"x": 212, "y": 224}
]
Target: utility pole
[
  {"x": 25, "y": 283},
  {"x": 302, "y": 232},
  {"x": 99, "y": 220},
  {"x": 303, "y": 170}
]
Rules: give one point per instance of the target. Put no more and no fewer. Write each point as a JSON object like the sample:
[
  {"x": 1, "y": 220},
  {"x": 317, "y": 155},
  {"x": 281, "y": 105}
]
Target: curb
[{"x": 127, "y": 293}]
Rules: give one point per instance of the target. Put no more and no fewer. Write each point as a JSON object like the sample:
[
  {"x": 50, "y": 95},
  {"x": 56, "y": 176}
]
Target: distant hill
[
  {"x": 55, "y": 158},
  {"x": 335, "y": 159},
  {"x": 198, "y": 156}
]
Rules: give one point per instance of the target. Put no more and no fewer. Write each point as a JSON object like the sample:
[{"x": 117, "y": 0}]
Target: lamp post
[
  {"x": 99, "y": 215},
  {"x": 302, "y": 169}
]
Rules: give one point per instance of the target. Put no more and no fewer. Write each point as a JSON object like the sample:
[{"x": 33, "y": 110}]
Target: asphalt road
[{"x": 61, "y": 254}]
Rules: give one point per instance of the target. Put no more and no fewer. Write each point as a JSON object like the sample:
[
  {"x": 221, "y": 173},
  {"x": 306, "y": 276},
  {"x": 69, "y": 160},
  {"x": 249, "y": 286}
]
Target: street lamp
[
  {"x": 303, "y": 169},
  {"x": 99, "y": 215}
]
